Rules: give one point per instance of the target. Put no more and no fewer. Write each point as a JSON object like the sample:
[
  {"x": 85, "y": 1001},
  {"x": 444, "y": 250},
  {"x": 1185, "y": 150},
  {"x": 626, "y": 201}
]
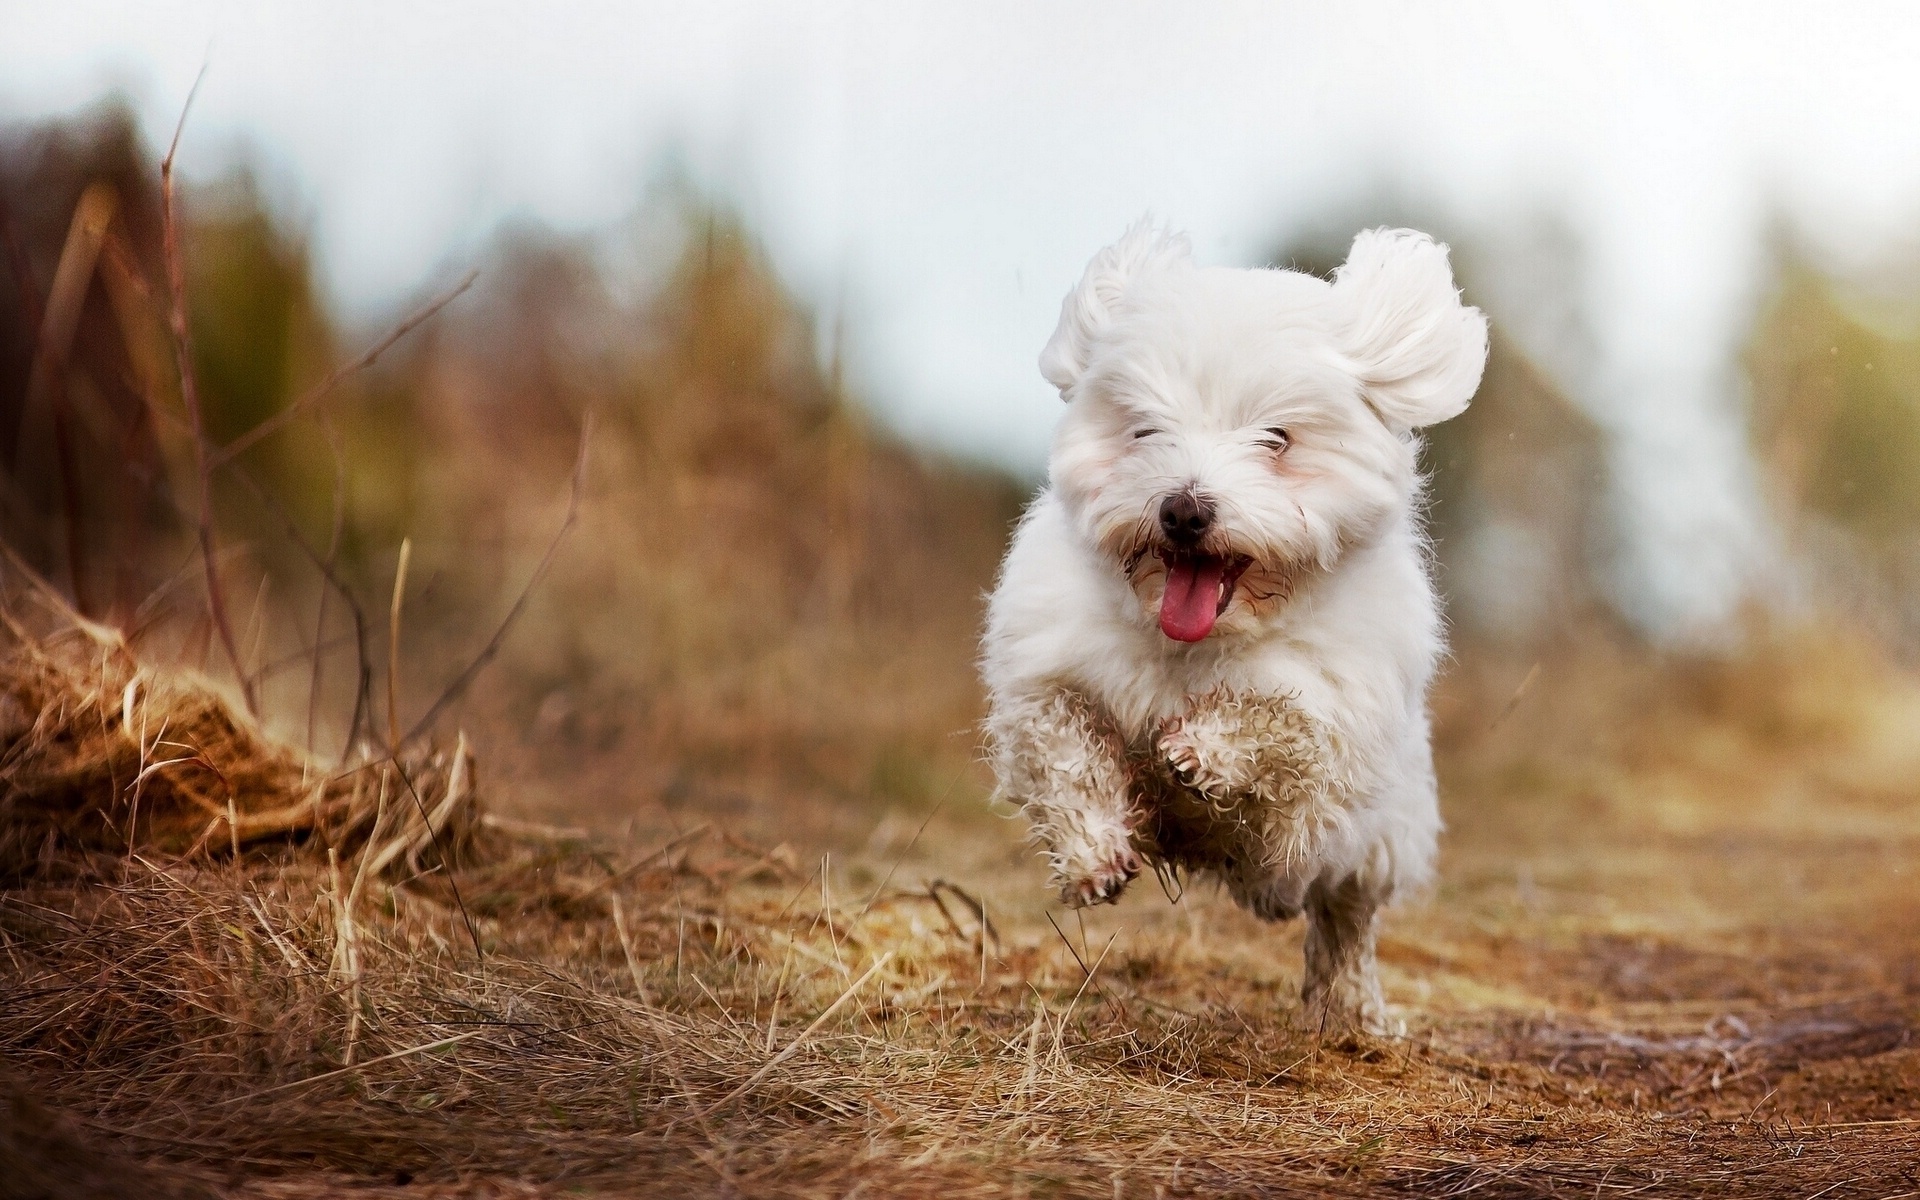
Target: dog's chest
[{"x": 1140, "y": 690}]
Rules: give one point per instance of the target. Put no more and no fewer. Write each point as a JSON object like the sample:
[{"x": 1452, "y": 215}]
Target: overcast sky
[{"x": 938, "y": 174}]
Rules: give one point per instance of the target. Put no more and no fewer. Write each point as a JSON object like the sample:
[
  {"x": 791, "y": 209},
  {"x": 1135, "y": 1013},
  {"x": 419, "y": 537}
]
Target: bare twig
[
  {"x": 190, "y": 397},
  {"x": 362, "y": 693},
  {"x": 908, "y": 849},
  {"x": 105, "y": 635},
  {"x": 29, "y": 288},
  {"x": 324, "y": 563},
  {"x": 445, "y": 859},
  {"x": 326, "y": 568},
  {"x": 634, "y": 868},
  {"x": 1069, "y": 945},
  {"x": 325, "y": 387},
  {"x": 465, "y": 679},
  {"x": 767, "y": 1067},
  {"x": 393, "y": 643},
  {"x": 459, "y": 786},
  {"x": 53, "y": 340},
  {"x": 1093, "y": 970},
  {"x": 1519, "y": 694},
  {"x": 975, "y": 905},
  {"x": 442, "y": 1044}
]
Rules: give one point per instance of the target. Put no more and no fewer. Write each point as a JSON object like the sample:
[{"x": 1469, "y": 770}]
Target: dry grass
[
  {"x": 696, "y": 1013},
  {"x": 103, "y": 756}
]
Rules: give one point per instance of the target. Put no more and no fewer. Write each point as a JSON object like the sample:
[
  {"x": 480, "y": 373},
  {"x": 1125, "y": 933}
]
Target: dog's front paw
[
  {"x": 1196, "y": 757},
  {"x": 1099, "y": 877},
  {"x": 1180, "y": 754}
]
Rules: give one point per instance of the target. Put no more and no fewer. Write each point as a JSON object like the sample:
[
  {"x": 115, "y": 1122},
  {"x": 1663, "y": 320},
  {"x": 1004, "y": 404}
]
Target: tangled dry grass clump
[
  {"x": 700, "y": 1014},
  {"x": 105, "y": 756}
]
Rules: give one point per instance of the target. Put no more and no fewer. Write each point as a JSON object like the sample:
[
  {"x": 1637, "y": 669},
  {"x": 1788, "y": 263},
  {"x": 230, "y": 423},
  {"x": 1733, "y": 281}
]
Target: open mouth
[{"x": 1199, "y": 588}]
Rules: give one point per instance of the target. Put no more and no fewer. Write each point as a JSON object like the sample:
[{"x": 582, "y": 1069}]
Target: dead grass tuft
[{"x": 102, "y": 756}]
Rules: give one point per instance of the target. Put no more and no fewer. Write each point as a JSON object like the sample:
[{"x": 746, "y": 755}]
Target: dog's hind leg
[
  {"x": 1341, "y": 993},
  {"x": 1059, "y": 757}
]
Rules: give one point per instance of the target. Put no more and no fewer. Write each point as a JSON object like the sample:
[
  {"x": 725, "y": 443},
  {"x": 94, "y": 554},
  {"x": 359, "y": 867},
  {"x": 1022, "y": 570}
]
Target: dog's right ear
[
  {"x": 1417, "y": 350},
  {"x": 1090, "y": 306}
]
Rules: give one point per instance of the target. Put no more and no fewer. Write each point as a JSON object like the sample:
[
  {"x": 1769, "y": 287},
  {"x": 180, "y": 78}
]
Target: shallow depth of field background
[{"x": 1676, "y": 736}]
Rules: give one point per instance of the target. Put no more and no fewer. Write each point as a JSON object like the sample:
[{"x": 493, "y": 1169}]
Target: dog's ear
[
  {"x": 1417, "y": 350},
  {"x": 1090, "y": 306}
]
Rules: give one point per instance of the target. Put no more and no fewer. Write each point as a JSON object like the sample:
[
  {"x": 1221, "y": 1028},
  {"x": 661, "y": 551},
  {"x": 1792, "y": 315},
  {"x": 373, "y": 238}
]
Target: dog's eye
[
  {"x": 1276, "y": 438},
  {"x": 1142, "y": 433}
]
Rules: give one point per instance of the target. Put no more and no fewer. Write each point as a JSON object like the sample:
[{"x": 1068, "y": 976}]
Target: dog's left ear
[
  {"x": 1417, "y": 350},
  {"x": 1089, "y": 308}
]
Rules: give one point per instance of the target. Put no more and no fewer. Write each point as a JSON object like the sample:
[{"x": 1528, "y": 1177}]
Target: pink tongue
[{"x": 1191, "y": 603}]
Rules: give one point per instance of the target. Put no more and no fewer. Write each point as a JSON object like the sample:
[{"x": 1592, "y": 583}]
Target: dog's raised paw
[
  {"x": 1186, "y": 755},
  {"x": 1104, "y": 883},
  {"x": 1179, "y": 752}
]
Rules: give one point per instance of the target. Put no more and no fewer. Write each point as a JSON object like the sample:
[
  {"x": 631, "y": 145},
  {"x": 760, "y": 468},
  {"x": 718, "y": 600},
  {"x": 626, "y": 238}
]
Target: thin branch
[
  {"x": 304, "y": 655},
  {"x": 362, "y": 693},
  {"x": 29, "y": 289},
  {"x": 767, "y": 1067},
  {"x": 911, "y": 843},
  {"x": 445, "y": 860},
  {"x": 393, "y": 644},
  {"x": 54, "y": 332},
  {"x": 186, "y": 108},
  {"x": 105, "y": 635},
  {"x": 1091, "y": 971},
  {"x": 326, "y": 568},
  {"x": 442, "y": 1044},
  {"x": 465, "y": 679},
  {"x": 190, "y": 396},
  {"x": 1069, "y": 945},
  {"x": 1519, "y": 693},
  {"x": 634, "y": 868},
  {"x": 325, "y": 387}
]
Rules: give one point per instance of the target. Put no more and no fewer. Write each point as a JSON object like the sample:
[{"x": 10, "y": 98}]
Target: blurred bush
[
  {"x": 761, "y": 581},
  {"x": 1835, "y": 374}
]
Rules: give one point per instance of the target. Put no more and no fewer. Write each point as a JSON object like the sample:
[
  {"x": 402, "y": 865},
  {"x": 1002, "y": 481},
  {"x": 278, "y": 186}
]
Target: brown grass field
[{"x": 1671, "y": 953}]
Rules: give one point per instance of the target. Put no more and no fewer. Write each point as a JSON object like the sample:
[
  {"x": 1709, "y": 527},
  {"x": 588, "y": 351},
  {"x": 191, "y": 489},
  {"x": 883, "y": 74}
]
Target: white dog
[{"x": 1212, "y": 638}]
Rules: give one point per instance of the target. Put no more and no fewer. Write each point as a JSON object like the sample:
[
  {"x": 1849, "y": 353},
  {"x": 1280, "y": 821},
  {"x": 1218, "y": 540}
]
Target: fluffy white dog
[{"x": 1212, "y": 638}]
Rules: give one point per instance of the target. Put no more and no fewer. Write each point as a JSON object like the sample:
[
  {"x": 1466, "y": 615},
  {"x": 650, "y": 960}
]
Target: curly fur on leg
[
  {"x": 1265, "y": 759},
  {"x": 1060, "y": 759}
]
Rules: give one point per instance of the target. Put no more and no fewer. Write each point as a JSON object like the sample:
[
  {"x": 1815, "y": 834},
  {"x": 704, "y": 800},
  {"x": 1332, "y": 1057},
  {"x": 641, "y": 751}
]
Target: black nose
[{"x": 1185, "y": 518}]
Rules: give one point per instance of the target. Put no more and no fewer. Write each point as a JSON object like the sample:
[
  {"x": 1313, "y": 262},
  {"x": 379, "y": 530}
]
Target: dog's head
[{"x": 1229, "y": 431}]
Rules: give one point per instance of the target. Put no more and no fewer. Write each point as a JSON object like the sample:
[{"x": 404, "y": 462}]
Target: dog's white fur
[{"x": 1287, "y": 750}]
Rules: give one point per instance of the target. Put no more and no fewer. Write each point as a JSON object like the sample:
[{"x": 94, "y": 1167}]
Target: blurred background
[{"x": 797, "y": 264}]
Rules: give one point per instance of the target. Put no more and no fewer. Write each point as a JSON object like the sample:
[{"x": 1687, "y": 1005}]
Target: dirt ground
[{"x": 1671, "y": 953}]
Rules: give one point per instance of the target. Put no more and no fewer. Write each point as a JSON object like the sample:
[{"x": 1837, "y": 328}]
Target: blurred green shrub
[{"x": 1835, "y": 376}]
